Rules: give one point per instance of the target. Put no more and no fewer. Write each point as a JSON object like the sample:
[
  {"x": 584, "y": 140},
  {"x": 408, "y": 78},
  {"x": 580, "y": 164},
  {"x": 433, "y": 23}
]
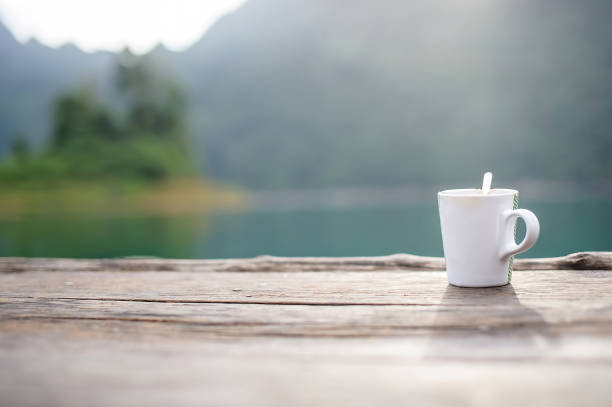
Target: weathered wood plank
[
  {"x": 94, "y": 335},
  {"x": 556, "y": 288},
  {"x": 54, "y": 371},
  {"x": 391, "y": 303},
  {"x": 237, "y": 320},
  {"x": 576, "y": 261}
]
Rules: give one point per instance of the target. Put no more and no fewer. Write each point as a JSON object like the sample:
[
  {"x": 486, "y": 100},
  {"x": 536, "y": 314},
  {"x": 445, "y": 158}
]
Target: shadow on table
[{"x": 485, "y": 322}]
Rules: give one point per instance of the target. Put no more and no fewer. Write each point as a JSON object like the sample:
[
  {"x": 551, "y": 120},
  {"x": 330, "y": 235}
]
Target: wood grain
[
  {"x": 576, "y": 261},
  {"x": 336, "y": 332},
  {"x": 559, "y": 288}
]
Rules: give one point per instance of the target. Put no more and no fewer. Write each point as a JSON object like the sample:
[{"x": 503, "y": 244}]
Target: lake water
[{"x": 566, "y": 227}]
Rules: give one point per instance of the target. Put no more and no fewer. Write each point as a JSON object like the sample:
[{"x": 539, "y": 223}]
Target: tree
[
  {"x": 155, "y": 105},
  {"x": 78, "y": 114},
  {"x": 141, "y": 136}
]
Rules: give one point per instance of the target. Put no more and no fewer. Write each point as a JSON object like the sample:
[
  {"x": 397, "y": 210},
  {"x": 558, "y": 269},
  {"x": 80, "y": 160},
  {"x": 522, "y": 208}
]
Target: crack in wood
[
  {"x": 575, "y": 261},
  {"x": 250, "y": 302}
]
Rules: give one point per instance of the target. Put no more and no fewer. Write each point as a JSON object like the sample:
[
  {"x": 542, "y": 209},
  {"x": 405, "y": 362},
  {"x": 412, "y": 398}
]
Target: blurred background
[{"x": 236, "y": 128}]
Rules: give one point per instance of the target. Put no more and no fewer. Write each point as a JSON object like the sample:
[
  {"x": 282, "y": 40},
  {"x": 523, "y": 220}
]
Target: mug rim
[{"x": 475, "y": 193}]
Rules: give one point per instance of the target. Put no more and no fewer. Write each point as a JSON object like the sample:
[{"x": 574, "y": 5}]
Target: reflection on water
[
  {"x": 164, "y": 236},
  {"x": 566, "y": 227}
]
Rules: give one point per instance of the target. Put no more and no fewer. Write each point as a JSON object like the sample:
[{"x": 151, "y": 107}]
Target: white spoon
[{"x": 486, "y": 183}]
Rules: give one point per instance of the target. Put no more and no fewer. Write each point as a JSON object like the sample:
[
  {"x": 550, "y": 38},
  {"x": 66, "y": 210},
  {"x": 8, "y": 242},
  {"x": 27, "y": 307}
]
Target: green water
[{"x": 565, "y": 227}]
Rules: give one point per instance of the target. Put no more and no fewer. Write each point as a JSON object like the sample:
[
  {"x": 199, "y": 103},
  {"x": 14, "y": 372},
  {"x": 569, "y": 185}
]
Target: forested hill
[
  {"x": 32, "y": 75},
  {"x": 325, "y": 92}
]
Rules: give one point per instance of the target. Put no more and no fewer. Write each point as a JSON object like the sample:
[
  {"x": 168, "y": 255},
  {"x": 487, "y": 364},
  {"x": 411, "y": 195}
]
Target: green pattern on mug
[{"x": 511, "y": 260}]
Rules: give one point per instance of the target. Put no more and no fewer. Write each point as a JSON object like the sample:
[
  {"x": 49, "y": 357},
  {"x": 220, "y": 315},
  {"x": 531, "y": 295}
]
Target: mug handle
[{"x": 533, "y": 231}]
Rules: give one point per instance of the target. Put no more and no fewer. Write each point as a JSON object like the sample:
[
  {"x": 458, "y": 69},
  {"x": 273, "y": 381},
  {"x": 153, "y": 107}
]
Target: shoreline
[
  {"x": 197, "y": 195},
  {"x": 118, "y": 197}
]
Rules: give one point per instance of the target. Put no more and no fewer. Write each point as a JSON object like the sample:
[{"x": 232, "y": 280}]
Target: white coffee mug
[{"x": 478, "y": 235}]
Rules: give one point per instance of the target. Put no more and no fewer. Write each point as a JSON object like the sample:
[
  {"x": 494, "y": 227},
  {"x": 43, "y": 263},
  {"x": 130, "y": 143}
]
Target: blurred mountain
[
  {"x": 327, "y": 92},
  {"x": 32, "y": 75}
]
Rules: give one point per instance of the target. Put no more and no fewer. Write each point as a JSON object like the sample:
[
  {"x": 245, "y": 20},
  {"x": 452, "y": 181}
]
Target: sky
[{"x": 113, "y": 24}]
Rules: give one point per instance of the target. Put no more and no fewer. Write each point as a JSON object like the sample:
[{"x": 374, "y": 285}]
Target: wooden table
[{"x": 303, "y": 332}]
